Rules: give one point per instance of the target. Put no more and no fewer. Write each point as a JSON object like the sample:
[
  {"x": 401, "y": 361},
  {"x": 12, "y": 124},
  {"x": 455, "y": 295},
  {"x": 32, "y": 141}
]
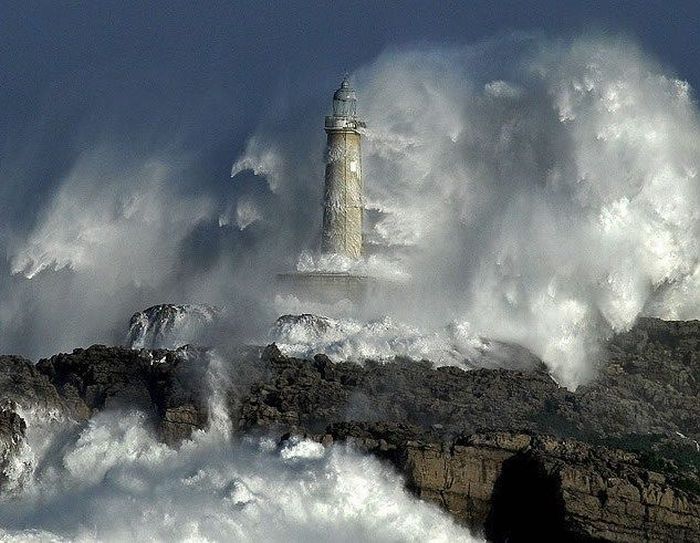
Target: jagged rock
[
  {"x": 521, "y": 487},
  {"x": 169, "y": 326},
  {"x": 12, "y": 433},
  {"x": 526, "y": 488},
  {"x": 650, "y": 381},
  {"x": 312, "y": 394},
  {"x": 500, "y": 449},
  {"x": 23, "y": 390},
  {"x": 23, "y": 384},
  {"x": 168, "y": 384},
  {"x": 475, "y": 442}
]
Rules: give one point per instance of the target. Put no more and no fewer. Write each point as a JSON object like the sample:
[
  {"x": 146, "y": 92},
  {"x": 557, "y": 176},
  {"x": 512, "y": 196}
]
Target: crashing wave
[
  {"x": 113, "y": 481},
  {"x": 374, "y": 266},
  {"x": 347, "y": 339},
  {"x": 544, "y": 191}
]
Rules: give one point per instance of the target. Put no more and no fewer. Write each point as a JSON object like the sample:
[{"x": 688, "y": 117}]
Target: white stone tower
[{"x": 343, "y": 202}]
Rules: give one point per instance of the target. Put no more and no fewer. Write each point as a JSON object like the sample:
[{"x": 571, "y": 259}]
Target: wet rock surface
[
  {"x": 169, "y": 385},
  {"x": 509, "y": 452},
  {"x": 650, "y": 381},
  {"x": 169, "y": 326},
  {"x": 506, "y": 452},
  {"x": 648, "y": 387},
  {"x": 309, "y": 394},
  {"x": 23, "y": 384},
  {"x": 12, "y": 433},
  {"x": 526, "y": 488}
]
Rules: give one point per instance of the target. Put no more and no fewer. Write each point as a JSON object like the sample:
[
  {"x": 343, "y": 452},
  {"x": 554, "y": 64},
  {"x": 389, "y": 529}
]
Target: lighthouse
[
  {"x": 343, "y": 203},
  {"x": 343, "y": 213}
]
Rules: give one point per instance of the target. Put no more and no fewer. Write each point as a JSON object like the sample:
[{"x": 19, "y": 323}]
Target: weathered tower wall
[{"x": 343, "y": 202}]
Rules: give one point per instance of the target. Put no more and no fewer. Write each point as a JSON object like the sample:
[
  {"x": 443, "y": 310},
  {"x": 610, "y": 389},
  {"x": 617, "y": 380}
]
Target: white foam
[
  {"x": 549, "y": 193},
  {"x": 544, "y": 191},
  {"x": 116, "y": 483},
  {"x": 170, "y": 326},
  {"x": 385, "y": 339}
]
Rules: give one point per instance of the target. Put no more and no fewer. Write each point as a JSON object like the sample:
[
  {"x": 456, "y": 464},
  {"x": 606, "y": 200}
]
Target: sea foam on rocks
[
  {"x": 169, "y": 326},
  {"x": 353, "y": 340}
]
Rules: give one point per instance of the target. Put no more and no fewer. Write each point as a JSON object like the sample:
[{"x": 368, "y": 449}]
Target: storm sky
[{"x": 202, "y": 75}]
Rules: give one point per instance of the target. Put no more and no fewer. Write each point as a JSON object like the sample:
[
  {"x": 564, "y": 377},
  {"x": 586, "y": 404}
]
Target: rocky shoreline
[{"x": 509, "y": 453}]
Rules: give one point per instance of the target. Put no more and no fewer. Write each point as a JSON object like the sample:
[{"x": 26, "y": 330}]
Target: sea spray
[{"x": 113, "y": 481}]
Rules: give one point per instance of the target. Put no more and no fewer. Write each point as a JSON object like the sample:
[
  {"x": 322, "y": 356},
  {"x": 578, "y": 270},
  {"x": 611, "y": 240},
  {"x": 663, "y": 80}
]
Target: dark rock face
[
  {"x": 23, "y": 387},
  {"x": 657, "y": 394},
  {"x": 12, "y": 431},
  {"x": 22, "y": 383},
  {"x": 519, "y": 487},
  {"x": 651, "y": 381},
  {"x": 536, "y": 488},
  {"x": 507, "y": 452},
  {"x": 169, "y": 384},
  {"x": 312, "y": 394},
  {"x": 169, "y": 326},
  {"x": 476, "y": 442}
]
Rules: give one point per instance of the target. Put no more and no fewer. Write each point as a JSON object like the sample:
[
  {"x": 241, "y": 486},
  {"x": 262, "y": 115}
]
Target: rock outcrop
[
  {"x": 650, "y": 381},
  {"x": 657, "y": 398},
  {"x": 168, "y": 384},
  {"x": 169, "y": 326},
  {"x": 23, "y": 384},
  {"x": 12, "y": 434},
  {"x": 537, "y": 488},
  {"x": 519, "y": 487},
  {"x": 508, "y": 452},
  {"x": 501, "y": 449}
]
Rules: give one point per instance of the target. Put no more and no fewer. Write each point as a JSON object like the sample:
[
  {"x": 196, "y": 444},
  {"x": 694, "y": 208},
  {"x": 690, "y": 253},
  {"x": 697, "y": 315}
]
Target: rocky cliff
[
  {"x": 507, "y": 452},
  {"x": 503, "y": 451},
  {"x": 523, "y": 487}
]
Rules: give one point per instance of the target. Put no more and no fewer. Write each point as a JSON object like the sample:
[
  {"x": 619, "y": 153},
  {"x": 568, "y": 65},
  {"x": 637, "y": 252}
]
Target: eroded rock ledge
[
  {"x": 520, "y": 487},
  {"x": 509, "y": 452}
]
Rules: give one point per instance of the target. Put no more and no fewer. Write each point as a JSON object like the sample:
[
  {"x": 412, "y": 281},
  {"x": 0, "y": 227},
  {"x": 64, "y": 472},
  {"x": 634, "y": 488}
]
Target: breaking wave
[
  {"x": 112, "y": 481},
  {"x": 537, "y": 192},
  {"x": 544, "y": 192},
  {"x": 385, "y": 339},
  {"x": 170, "y": 326}
]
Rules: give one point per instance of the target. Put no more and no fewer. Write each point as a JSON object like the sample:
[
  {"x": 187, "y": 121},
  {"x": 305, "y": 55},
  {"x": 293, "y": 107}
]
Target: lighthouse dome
[{"x": 345, "y": 100}]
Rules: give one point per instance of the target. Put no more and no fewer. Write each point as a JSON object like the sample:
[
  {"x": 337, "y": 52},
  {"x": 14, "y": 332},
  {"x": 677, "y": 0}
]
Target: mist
[
  {"x": 541, "y": 192},
  {"x": 529, "y": 190}
]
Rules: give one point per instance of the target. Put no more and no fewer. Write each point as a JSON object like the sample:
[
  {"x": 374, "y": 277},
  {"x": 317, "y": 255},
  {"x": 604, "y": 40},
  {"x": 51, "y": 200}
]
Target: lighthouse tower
[
  {"x": 343, "y": 204},
  {"x": 343, "y": 210}
]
